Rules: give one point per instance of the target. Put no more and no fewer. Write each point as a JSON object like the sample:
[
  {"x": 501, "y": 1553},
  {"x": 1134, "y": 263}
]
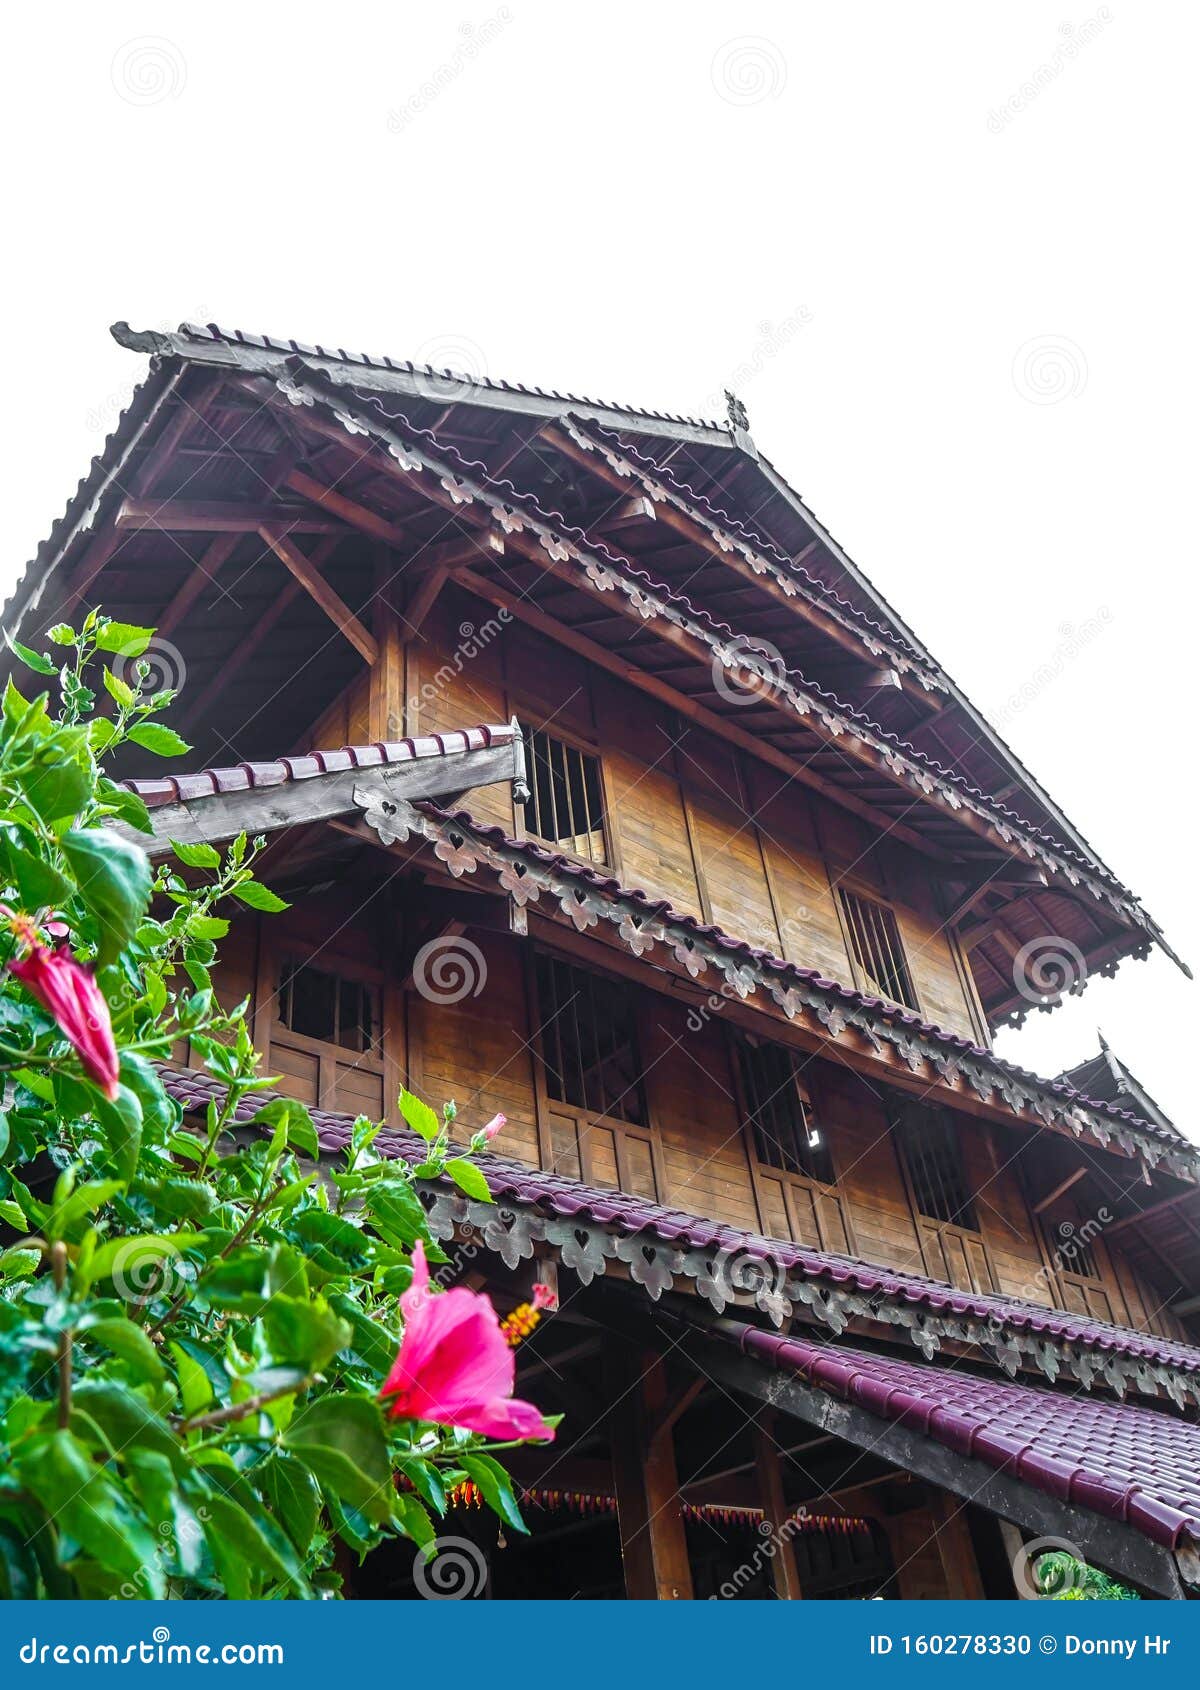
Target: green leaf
[
  {"x": 468, "y": 1179},
  {"x": 124, "y": 637},
  {"x": 59, "y": 783},
  {"x": 298, "y": 1124},
  {"x": 292, "y": 1494},
  {"x": 85, "y": 1502},
  {"x": 419, "y": 1116},
  {"x": 127, "y": 806},
  {"x": 195, "y": 1387},
  {"x": 496, "y": 1486},
  {"x": 410, "y": 1518},
  {"x": 234, "y": 1536},
  {"x": 198, "y": 855},
  {"x": 305, "y": 1332},
  {"x": 42, "y": 665},
  {"x": 260, "y": 897},
  {"x": 120, "y": 1120},
  {"x": 76, "y": 1206},
  {"x": 127, "y": 1340},
  {"x": 425, "y": 1479},
  {"x": 119, "y": 690},
  {"x": 38, "y": 882},
  {"x": 163, "y": 742},
  {"x": 341, "y": 1440},
  {"x": 114, "y": 883},
  {"x": 396, "y": 1210}
]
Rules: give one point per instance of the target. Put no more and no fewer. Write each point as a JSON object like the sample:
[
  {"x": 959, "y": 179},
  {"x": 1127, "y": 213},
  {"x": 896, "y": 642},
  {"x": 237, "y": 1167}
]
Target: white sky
[{"x": 834, "y": 206}]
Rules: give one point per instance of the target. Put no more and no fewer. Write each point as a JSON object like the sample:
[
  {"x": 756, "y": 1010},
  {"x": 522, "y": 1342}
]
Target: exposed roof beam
[
  {"x": 220, "y": 517},
  {"x": 318, "y": 589},
  {"x": 348, "y": 510},
  {"x": 202, "y": 574}
]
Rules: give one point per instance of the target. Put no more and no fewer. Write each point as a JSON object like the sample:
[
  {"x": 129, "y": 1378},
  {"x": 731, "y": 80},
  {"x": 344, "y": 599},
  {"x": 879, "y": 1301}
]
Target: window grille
[
  {"x": 323, "y": 1006},
  {"x": 785, "y": 1130},
  {"x": 877, "y": 949},
  {"x": 566, "y": 797},
  {"x": 929, "y": 1141},
  {"x": 589, "y": 1042}
]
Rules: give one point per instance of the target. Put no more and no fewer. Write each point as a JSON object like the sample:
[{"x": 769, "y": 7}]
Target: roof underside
[{"x": 684, "y": 509}]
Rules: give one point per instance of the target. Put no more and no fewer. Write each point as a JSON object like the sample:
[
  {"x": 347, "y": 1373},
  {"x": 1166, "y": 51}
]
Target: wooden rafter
[
  {"x": 346, "y": 509},
  {"x": 202, "y": 574},
  {"x": 320, "y": 591},
  {"x": 216, "y": 516}
]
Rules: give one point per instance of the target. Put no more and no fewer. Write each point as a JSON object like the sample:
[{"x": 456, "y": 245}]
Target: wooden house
[{"x": 609, "y": 795}]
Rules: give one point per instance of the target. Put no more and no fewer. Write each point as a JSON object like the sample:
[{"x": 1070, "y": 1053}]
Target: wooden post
[
  {"x": 785, "y": 1575},
  {"x": 653, "y": 1541},
  {"x": 957, "y": 1552},
  {"x": 386, "y": 681}
]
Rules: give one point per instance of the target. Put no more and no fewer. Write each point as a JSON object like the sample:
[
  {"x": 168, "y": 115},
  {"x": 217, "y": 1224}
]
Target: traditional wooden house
[{"x": 610, "y": 795}]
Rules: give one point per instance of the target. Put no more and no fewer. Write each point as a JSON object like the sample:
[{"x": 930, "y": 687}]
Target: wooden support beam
[
  {"x": 649, "y": 1508},
  {"x": 318, "y": 589},
  {"x": 217, "y": 517},
  {"x": 707, "y": 719},
  {"x": 1059, "y": 1190},
  {"x": 955, "y": 1549},
  {"x": 386, "y": 706},
  {"x": 423, "y": 601},
  {"x": 785, "y": 1574},
  {"x": 348, "y": 510},
  {"x": 202, "y": 574},
  {"x": 877, "y": 680}
]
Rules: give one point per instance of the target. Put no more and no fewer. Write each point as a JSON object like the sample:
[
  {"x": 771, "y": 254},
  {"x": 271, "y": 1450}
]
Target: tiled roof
[
  {"x": 1140, "y": 1466},
  {"x": 361, "y": 410},
  {"x": 243, "y": 777},
  {"x": 661, "y": 909},
  {"x": 560, "y": 1195}
]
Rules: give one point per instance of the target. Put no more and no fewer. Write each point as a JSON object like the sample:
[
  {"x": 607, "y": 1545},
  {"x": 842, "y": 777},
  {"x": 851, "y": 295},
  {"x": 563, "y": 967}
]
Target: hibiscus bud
[{"x": 68, "y": 991}]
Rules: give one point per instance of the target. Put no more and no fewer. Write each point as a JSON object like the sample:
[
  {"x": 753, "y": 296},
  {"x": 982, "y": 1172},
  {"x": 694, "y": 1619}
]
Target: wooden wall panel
[
  {"x": 476, "y": 1053},
  {"x": 733, "y": 874},
  {"x": 856, "y": 1125},
  {"x": 456, "y": 680},
  {"x": 691, "y": 1099}
]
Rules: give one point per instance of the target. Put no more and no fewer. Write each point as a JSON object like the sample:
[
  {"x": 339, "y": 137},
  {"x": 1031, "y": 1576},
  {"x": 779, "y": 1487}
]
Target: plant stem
[
  {"x": 242, "y": 1410},
  {"x": 58, "y": 1265}
]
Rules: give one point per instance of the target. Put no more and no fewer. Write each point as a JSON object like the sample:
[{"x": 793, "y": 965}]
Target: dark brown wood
[
  {"x": 177, "y": 516},
  {"x": 345, "y": 509},
  {"x": 320, "y": 591},
  {"x": 785, "y": 1575}
]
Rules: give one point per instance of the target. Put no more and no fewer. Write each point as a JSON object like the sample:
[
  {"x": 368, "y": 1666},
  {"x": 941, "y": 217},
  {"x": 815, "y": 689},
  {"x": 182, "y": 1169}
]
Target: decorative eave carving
[
  {"x": 735, "y": 970},
  {"x": 513, "y": 1231}
]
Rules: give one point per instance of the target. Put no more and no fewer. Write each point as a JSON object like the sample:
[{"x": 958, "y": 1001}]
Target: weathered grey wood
[{"x": 267, "y": 809}]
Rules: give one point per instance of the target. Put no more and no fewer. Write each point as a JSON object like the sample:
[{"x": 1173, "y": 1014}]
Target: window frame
[
  {"x": 584, "y": 747},
  {"x": 553, "y": 1112},
  {"x": 848, "y": 886},
  {"x": 270, "y": 1032},
  {"x": 969, "y": 1238}
]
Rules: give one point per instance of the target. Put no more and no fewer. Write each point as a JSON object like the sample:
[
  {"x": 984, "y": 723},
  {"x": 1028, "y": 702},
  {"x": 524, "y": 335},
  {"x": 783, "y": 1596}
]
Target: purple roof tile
[
  {"x": 559, "y": 1194},
  {"x": 1138, "y": 1465}
]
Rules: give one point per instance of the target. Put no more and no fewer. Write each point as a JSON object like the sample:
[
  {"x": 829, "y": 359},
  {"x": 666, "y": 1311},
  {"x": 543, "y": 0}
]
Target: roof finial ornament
[{"x": 739, "y": 423}]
